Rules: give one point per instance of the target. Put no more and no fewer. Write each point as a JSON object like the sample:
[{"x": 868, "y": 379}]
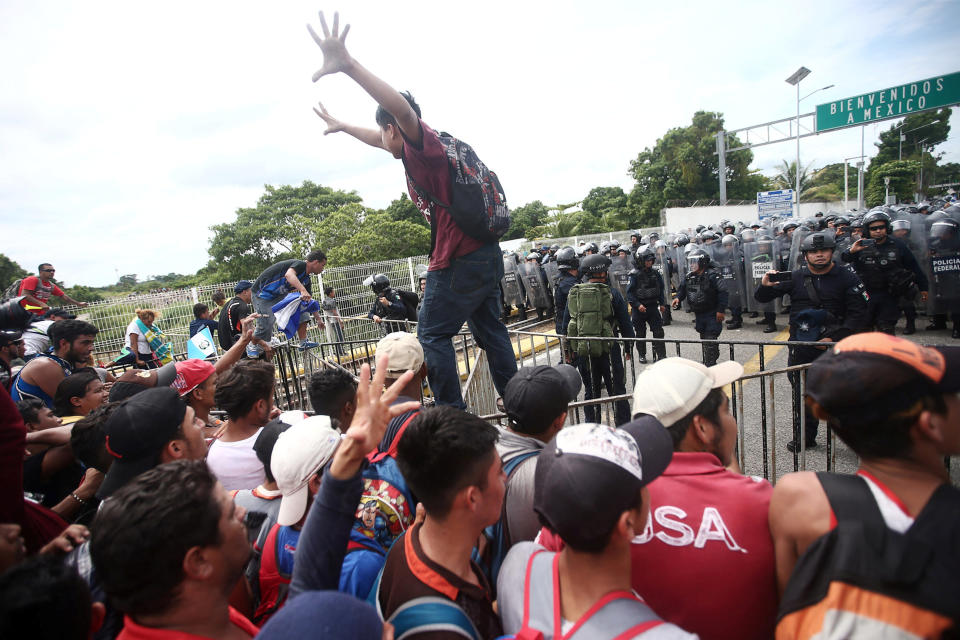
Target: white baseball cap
[
  {"x": 404, "y": 350},
  {"x": 300, "y": 453},
  {"x": 671, "y": 388}
]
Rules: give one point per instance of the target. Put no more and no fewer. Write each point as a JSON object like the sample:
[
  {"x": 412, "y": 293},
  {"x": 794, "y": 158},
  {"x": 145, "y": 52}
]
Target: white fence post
[
  {"x": 195, "y": 294},
  {"x": 413, "y": 280}
]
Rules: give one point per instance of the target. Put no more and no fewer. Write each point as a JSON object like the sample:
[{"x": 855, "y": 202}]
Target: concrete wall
[{"x": 683, "y": 217}]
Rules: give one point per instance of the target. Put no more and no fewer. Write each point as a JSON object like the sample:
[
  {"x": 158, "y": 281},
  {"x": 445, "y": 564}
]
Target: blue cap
[
  {"x": 242, "y": 286},
  {"x": 311, "y": 614}
]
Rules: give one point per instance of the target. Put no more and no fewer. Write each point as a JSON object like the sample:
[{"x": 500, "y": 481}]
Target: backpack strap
[
  {"x": 498, "y": 533},
  {"x": 617, "y": 611},
  {"x": 391, "y": 451},
  {"x": 431, "y": 614},
  {"x": 812, "y": 291}
]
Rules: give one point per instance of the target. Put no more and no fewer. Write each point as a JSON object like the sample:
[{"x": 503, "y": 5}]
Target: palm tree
[{"x": 787, "y": 178}]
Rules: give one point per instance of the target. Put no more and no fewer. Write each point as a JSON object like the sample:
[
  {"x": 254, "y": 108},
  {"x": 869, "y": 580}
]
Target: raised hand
[
  {"x": 333, "y": 125},
  {"x": 335, "y": 56},
  {"x": 373, "y": 405}
]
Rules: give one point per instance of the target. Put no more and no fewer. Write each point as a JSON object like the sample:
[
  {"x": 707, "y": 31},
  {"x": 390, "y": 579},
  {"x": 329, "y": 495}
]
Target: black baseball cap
[
  {"x": 589, "y": 474},
  {"x": 242, "y": 286},
  {"x": 136, "y": 433},
  {"x": 535, "y": 396},
  {"x": 870, "y": 375}
]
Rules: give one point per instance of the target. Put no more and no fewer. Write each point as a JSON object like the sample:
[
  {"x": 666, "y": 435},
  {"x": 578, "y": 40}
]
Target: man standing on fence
[
  {"x": 464, "y": 272},
  {"x": 38, "y": 289},
  {"x": 274, "y": 284},
  {"x": 827, "y": 303}
]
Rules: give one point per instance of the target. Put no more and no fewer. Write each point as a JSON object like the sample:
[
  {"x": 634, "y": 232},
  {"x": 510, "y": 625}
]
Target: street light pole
[{"x": 795, "y": 79}]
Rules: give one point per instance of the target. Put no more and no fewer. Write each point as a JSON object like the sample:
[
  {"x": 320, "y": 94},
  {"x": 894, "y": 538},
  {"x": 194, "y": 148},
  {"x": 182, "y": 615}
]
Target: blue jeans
[
  {"x": 266, "y": 323},
  {"x": 466, "y": 291}
]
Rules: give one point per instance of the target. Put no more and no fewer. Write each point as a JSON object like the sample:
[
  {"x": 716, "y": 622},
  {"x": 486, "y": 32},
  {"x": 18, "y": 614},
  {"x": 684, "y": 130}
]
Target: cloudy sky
[{"x": 128, "y": 129}]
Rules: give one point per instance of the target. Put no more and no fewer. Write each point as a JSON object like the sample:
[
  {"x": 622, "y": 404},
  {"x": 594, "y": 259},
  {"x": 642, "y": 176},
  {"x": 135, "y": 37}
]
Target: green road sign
[{"x": 895, "y": 102}]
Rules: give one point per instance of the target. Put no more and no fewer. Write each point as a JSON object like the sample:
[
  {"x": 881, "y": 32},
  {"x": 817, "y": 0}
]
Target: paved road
[{"x": 778, "y": 415}]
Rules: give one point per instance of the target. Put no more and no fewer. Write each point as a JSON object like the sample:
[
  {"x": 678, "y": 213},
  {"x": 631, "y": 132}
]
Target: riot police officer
[
  {"x": 388, "y": 307},
  {"x": 944, "y": 248},
  {"x": 568, "y": 264},
  {"x": 607, "y": 369},
  {"x": 828, "y": 303},
  {"x": 887, "y": 268},
  {"x": 704, "y": 290},
  {"x": 645, "y": 295}
]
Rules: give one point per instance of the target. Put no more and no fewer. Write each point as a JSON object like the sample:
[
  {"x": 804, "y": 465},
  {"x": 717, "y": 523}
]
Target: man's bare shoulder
[{"x": 799, "y": 506}]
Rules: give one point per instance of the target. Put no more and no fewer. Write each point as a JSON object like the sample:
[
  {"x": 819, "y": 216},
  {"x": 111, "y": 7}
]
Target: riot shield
[
  {"x": 758, "y": 258},
  {"x": 729, "y": 262},
  {"x": 553, "y": 273},
  {"x": 678, "y": 256},
  {"x": 662, "y": 265},
  {"x": 538, "y": 297},
  {"x": 619, "y": 274},
  {"x": 510, "y": 283},
  {"x": 944, "y": 260},
  {"x": 796, "y": 258}
]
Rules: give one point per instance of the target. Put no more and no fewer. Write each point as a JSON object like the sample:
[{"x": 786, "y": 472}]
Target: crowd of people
[{"x": 129, "y": 510}]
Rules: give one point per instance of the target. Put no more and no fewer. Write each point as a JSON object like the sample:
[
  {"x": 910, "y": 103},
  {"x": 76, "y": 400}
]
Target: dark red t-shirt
[{"x": 426, "y": 165}]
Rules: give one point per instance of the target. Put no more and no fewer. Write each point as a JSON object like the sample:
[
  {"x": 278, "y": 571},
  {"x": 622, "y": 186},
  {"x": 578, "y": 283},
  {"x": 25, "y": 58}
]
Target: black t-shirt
[
  {"x": 228, "y": 330},
  {"x": 273, "y": 280}
]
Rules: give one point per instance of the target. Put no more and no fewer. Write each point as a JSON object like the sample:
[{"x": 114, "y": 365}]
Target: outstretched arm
[
  {"x": 363, "y": 134},
  {"x": 337, "y": 60}
]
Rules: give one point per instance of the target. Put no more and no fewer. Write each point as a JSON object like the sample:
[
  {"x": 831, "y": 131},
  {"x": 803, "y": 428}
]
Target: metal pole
[
  {"x": 797, "y": 170},
  {"x": 846, "y": 187},
  {"x": 722, "y": 171},
  {"x": 860, "y": 185}
]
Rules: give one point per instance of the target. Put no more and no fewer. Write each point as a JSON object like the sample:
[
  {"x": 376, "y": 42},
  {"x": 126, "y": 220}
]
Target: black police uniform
[
  {"x": 707, "y": 296},
  {"x": 565, "y": 282},
  {"x": 841, "y": 293},
  {"x": 390, "y": 313},
  {"x": 646, "y": 289},
  {"x": 876, "y": 265}
]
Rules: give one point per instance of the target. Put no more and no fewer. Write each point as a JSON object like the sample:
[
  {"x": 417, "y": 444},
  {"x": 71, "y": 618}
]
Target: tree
[
  {"x": 903, "y": 179},
  {"x": 523, "y": 219},
  {"x": 10, "y": 271},
  {"x": 84, "y": 294},
  {"x": 683, "y": 166},
  {"x": 787, "y": 178},
  {"x": 927, "y": 129},
  {"x": 380, "y": 238},
  {"x": 826, "y": 184},
  {"x": 403, "y": 209},
  {"x": 285, "y": 223},
  {"x": 128, "y": 280}
]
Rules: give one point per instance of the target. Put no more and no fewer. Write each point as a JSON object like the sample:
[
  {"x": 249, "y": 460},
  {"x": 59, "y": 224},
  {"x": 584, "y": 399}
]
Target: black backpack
[
  {"x": 915, "y": 574},
  {"x": 479, "y": 206},
  {"x": 410, "y": 301}
]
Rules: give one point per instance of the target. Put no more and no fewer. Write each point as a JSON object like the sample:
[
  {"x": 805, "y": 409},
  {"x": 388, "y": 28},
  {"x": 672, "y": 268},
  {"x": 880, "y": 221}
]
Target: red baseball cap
[{"x": 191, "y": 374}]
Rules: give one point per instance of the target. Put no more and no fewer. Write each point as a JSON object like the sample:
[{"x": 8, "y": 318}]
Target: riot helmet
[
  {"x": 605, "y": 247},
  {"x": 708, "y": 237},
  {"x": 900, "y": 224},
  {"x": 567, "y": 258},
  {"x": 379, "y": 283},
  {"x": 696, "y": 260},
  {"x": 653, "y": 237},
  {"x": 533, "y": 255},
  {"x": 641, "y": 257},
  {"x": 591, "y": 248},
  {"x": 594, "y": 264},
  {"x": 819, "y": 240},
  {"x": 624, "y": 250},
  {"x": 945, "y": 230},
  {"x": 554, "y": 248},
  {"x": 872, "y": 217},
  {"x": 730, "y": 240},
  {"x": 682, "y": 239},
  {"x": 614, "y": 244},
  {"x": 748, "y": 235}
]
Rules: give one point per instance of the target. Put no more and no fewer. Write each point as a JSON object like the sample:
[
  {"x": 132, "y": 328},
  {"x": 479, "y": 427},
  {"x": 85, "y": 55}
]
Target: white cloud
[{"x": 118, "y": 118}]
